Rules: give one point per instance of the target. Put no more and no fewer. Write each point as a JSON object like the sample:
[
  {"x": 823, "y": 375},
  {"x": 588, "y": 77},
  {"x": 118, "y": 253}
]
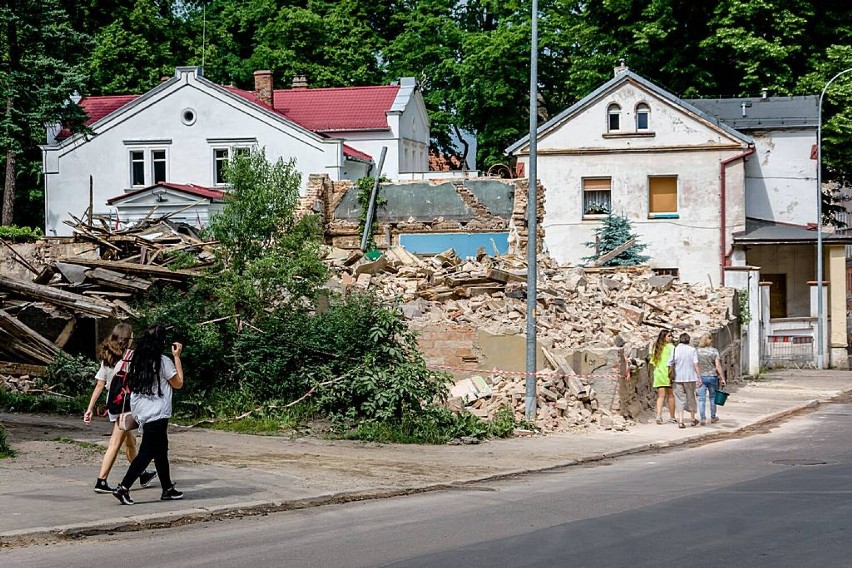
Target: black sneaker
[
  {"x": 123, "y": 495},
  {"x": 171, "y": 494},
  {"x": 101, "y": 486},
  {"x": 146, "y": 478}
]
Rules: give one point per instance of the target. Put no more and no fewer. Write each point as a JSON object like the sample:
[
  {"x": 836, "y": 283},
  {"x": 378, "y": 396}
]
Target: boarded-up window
[
  {"x": 662, "y": 195},
  {"x": 596, "y": 196}
]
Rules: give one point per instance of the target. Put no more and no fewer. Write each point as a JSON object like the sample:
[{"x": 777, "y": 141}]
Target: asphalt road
[{"x": 779, "y": 498}]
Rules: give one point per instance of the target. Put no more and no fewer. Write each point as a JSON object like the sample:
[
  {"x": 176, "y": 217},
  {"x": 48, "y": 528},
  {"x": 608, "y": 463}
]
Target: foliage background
[{"x": 471, "y": 56}]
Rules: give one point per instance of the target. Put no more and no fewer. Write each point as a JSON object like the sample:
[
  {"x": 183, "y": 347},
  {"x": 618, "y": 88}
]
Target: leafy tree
[
  {"x": 614, "y": 232},
  {"x": 266, "y": 254},
  {"x": 38, "y": 71}
]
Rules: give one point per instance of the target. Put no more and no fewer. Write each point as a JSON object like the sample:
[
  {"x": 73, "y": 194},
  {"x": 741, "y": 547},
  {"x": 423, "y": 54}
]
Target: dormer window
[
  {"x": 613, "y": 117},
  {"x": 643, "y": 113}
]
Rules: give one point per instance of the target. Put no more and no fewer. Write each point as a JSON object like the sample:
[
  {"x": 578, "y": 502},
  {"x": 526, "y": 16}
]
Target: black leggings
[{"x": 155, "y": 446}]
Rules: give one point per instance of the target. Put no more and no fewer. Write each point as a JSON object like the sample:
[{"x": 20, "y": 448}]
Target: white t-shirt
[
  {"x": 684, "y": 358},
  {"x": 106, "y": 373},
  {"x": 147, "y": 408}
]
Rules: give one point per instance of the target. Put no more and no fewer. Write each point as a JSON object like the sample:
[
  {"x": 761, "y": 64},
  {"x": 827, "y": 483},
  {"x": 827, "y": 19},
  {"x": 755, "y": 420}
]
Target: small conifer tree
[{"x": 614, "y": 232}]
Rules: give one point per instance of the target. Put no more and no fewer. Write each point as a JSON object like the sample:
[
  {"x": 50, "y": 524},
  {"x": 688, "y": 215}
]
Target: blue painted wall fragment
[{"x": 465, "y": 244}]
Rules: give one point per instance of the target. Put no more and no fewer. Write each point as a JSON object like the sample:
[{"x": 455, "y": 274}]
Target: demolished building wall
[{"x": 464, "y": 206}]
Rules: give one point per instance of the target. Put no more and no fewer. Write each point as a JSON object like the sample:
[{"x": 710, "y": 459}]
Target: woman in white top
[
  {"x": 110, "y": 352},
  {"x": 152, "y": 377},
  {"x": 687, "y": 378}
]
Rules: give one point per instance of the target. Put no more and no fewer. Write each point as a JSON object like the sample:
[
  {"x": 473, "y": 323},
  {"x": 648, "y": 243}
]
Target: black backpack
[{"x": 118, "y": 397}]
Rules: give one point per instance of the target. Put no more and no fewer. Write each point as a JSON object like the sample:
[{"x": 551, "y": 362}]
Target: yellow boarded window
[{"x": 662, "y": 194}]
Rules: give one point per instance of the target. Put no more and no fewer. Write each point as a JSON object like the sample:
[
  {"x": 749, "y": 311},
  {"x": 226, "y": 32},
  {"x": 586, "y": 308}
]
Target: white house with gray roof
[{"x": 721, "y": 190}]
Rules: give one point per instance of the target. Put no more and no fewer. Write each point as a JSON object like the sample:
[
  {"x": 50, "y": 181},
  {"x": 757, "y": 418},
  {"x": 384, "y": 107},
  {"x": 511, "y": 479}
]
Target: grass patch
[
  {"x": 80, "y": 443},
  {"x": 43, "y": 403},
  {"x": 434, "y": 425},
  {"x": 6, "y": 450},
  {"x": 263, "y": 426}
]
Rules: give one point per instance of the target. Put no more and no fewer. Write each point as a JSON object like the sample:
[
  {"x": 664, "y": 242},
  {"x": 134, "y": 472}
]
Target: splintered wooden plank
[
  {"x": 132, "y": 268},
  {"x": 118, "y": 280},
  {"x": 76, "y": 302},
  {"x": 18, "y": 369},
  {"x": 26, "y": 340}
]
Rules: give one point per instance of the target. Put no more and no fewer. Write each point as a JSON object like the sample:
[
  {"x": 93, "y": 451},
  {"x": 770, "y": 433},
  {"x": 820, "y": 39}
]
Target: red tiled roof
[
  {"x": 189, "y": 188},
  {"x": 98, "y": 107},
  {"x": 320, "y": 110},
  {"x": 357, "y": 154},
  {"x": 337, "y": 109}
]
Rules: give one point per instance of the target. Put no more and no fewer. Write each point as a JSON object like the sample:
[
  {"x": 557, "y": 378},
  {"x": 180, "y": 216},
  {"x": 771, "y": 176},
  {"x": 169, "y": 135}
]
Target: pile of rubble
[
  {"x": 564, "y": 402},
  {"x": 577, "y": 307},
  {"x": 99, "y": 282}
]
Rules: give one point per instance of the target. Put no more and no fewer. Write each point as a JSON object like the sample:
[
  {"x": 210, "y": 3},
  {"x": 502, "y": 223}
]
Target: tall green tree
[{"x": 38, "y": 71}]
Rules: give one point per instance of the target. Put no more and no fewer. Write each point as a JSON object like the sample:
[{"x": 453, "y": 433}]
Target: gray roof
[
  {"x": 757, "y": 113},
  {"x": 763, "y": 232},
  {"x": 623, "y": 77}
]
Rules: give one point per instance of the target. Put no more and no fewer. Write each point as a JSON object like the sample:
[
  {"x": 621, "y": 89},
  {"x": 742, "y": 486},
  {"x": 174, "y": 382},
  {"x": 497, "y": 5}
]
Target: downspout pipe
[{"x": 723, "y": 244}]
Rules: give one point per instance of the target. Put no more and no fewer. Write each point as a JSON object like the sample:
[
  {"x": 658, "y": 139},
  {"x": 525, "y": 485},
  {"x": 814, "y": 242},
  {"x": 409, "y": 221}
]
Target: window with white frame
[
  {"x": 613, "y": 117},
  {"x": 597, "y": 196},
  {"x": 137, "y": 168},
  {"x": 643, "y": 114},
  {"x": 221, "y": 156},
  {"x": 220, "y": 162},
  {"x": 158, "y": 165}
]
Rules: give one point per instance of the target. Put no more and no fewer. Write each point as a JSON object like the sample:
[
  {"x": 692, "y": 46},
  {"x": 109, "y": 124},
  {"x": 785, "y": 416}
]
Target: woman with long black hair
[{"x": 152, "y": 377}]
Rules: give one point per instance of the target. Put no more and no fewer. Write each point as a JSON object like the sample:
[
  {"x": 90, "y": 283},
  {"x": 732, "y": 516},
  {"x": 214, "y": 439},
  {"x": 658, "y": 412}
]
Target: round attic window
[{"x": 188, "y": 116}]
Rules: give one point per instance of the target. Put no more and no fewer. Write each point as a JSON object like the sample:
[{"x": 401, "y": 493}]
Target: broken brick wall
[{"x": 324, "y": 196}]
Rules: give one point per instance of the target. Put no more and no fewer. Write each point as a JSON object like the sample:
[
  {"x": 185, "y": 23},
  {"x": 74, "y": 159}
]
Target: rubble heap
[{"x": 577, "y": 307}]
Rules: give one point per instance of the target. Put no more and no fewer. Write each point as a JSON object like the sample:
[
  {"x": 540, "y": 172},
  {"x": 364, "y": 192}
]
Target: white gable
[
  {"x": 669, "y": 125},
  {"x": 156, "y": 126}
]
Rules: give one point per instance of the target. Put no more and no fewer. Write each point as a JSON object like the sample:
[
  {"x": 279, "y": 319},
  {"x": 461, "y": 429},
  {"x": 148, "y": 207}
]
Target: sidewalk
[{"x": 46, "y": 491}]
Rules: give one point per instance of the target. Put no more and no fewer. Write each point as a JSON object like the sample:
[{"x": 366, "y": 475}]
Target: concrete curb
[{"x": 254, "y": 508}]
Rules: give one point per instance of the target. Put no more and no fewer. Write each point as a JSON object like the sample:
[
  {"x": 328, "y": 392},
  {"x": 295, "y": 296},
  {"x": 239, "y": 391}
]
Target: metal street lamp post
[
  {"x": 532, "y": 225},
  {"x": 820, "y": 308}
]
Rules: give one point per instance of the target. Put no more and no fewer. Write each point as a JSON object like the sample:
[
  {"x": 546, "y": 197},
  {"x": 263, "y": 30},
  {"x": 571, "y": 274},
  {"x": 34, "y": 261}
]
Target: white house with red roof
[{"x": 174, "y": 141}]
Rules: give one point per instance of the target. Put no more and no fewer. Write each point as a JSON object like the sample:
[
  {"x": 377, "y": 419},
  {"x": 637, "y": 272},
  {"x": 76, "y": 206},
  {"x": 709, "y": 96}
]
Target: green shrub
[
  {"x": 6, "y": 451},
  {"x": 71, "y": 374},
  {"x": 43, "y": 403},
  {"x": 17, "y": 234}
]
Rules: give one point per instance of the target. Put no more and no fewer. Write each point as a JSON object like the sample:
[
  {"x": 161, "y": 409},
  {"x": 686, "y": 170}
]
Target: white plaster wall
[
  {"x": 781, "y": 177},
  {"x": 691, "y": 242},
  {"x": 189, "y": 154},
  {"x": 670, "y": 125},
  {"x": 408, "y": 130},
  {"x": 371, "y": 142}
]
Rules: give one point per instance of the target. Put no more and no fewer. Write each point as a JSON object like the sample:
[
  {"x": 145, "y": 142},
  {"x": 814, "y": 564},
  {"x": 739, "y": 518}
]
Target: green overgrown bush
[
  {"x": 256, "y": 340},
  {"x": 6, "y": 450},
  {"x": 71, "y": 374},
  {"x": 43, "y": 403},
  {"x": 17, "y": 234}
]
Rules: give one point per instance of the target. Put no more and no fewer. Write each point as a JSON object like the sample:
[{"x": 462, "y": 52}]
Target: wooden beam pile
[{"x": 128, "y": 262}]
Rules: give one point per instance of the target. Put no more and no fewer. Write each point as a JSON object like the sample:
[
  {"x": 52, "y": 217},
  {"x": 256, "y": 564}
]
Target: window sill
[
  {"x": 647, "y": 134},
  {"x": 594, "y": 216},
  {"x": 664, "y": 216}
]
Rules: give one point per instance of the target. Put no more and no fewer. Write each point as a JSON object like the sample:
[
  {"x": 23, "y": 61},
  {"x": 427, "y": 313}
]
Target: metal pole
[
  {"x": 371, "y": 208},
  {"x": 820, "y": 308},
  {"x": 532, "y": 223}
]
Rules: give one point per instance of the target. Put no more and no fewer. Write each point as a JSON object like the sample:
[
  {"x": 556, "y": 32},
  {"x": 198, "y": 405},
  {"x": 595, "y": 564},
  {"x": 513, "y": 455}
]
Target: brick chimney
[
  {"x": 300, "y": 82},
  {"x": 263, "y": 86}
]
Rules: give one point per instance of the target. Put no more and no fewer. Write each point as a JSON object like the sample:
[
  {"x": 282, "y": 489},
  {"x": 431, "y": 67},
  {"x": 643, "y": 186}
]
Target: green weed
[{"x": 6, "y": 450}]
